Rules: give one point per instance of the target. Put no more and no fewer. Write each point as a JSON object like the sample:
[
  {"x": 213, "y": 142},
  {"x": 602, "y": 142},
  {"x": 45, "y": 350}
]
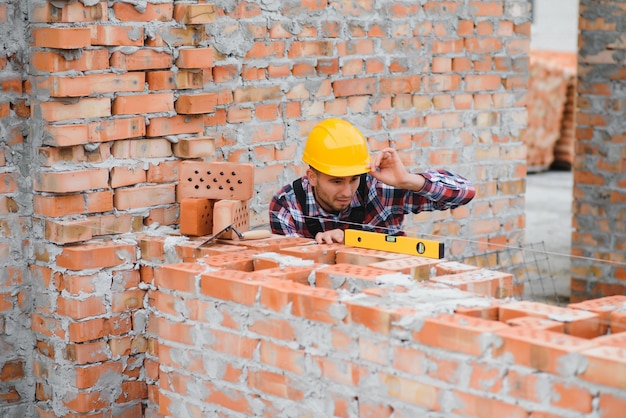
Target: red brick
[
  {"x": 277, "y": 384},
  {"x": 316, "y": 304},
  {"x": 163, "y": 172},
  {"x": 51, "y": 156},
  {"x": 482, "y": 82},
  {"x": 537, "y": 323},
  {"x": 458, "y": 333},
  {"x": 41, "y": 324},
  {"x": 96, "y": 255},
  {"x": 111, "y": 35},
  {"x": 144, "y": 196},
  {"x": 90, "y": 84},
  {"x": 62, "y": 232},
  {"x": 194, "y": 14},
  {"x": 215, "y": 180},
  {"x": 411, "y": 391},
  {"x": 61, "y": 38},
  {"x": 127, "y": 300},
  {"x": 603, "y": 307},
  {"x": 419, "y": 268},
  {"x": 142, "y": 148},
  {"x": 483, "y": 282},
  {"x": 232, "y": 344},
  {"x": 365, "y": 256},
  {"x": 354, "y": 87},
  {"x": 173, "y": 36},
  {"x": 569, "y": 395},
  {"x": 319, "y": 253},
  {"x": 235, "y": 213},
  {"x": 69, "y": 13},
  {"x": 163, "y": 126},
  {"x": 274, "y": 243},
  {"x": 242, "y": 260},
  {"x": 182, "y": 277},
  {"x": 611, "y": 405},
  {"x": 577, "y": 322},
  {"x": 72, "y": 181},
  {"x": 87, "y": 376},
  {"x": 83, "y": 402},
  {"x": 142, "y": 59},
  {"x": 190, "y": 104},
  {"x": 84, "y": 109},
  {"x": 349, "y": 277},
  {"x": 617, "y": 321},
  {"x": 606, "y": 366},
  {"x": 99, "y": 201},
  {"x": 300, "y": 273},
  {"x": 127, "y": 176},
  {"x": 195, "y": 58},
  {"x": 452, "y": 267},
  {"x": 276, "y": 329},
  {"x": 282, "y": 357},
  {"x": 52, "y": 62},
  {"x": 126, "y": 12},
  {"x": 182, "y": 79},
  {"x": 542, "y": 350},
  {"x": 143, "y": 103},
  {"x": 8, "y": 182},
  {"x": 196, "y": 147},
  {"x": 471, "y": 404},
  {"x": 196, "y": 216},
  {"x": 101, "y": 131}
]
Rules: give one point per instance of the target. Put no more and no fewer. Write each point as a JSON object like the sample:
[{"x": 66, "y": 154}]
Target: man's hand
[
  {"x": 328, "y": 237},
  {"x": 386, "y": 166}
]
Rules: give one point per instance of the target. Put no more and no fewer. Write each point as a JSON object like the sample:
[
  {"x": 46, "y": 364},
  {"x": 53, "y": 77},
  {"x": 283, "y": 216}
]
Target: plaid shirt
[{"x": 386, "y": 205}]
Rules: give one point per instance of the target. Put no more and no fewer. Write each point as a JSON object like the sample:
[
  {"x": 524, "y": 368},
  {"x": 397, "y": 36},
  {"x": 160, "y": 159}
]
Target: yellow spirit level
[{"x": 393, "y": 244}]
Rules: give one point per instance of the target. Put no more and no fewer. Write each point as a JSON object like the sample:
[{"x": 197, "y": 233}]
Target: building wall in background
[
  {"x": 17, "y": 389},
  {"x": 102, "y": 100},
  {"x": 599, "y": 209}
]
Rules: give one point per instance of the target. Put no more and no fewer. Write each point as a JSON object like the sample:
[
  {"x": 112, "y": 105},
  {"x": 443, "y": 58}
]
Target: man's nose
[{"x": 346, "y": 190}]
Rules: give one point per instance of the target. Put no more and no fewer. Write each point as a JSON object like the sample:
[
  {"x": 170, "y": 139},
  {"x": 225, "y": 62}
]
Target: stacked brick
[
  {"x": 16, "y": 340},
  {"x": 600, "y": 164},
  {"x": 383, "y": 335},
  {"x": 549, "y": 136}
]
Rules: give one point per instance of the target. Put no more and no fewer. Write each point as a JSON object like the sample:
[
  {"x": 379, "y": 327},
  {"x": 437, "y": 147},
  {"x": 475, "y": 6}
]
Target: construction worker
[{"x": 346, "y": 188}]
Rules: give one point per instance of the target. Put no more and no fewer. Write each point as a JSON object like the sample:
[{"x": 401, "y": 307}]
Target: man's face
[{"x": 333, "y": 194}]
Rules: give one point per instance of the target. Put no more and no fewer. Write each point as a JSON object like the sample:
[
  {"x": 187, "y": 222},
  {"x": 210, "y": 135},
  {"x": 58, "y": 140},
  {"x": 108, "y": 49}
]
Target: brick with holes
[
  {"x": 482, "y": 281},
  {"x": 231, "y": 212},
  {"x": 351, "y": 277},
  {"x": 196, "y": 216},
  {"x": 419, "y": 268},
  {"x": 365, "y": 256},
  {"x": 215, "y": 180},
  {"x": 320, "y": 253}
]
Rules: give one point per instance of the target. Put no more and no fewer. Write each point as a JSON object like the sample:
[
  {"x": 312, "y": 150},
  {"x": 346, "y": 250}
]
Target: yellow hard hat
[{"x": 337, "y": 148}]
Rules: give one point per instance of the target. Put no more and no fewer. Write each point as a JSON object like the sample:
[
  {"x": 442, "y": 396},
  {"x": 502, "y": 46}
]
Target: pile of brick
[
  {"x": 280, "y": 326},
  {"x": 550, "y": 102}
]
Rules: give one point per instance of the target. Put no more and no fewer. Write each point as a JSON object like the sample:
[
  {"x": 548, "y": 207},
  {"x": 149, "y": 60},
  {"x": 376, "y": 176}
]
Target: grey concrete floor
[{"x": 549, "y": 233}]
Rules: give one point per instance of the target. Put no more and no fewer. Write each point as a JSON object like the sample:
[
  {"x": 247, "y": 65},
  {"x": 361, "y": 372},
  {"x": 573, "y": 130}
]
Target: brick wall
[
  {"x": 16, "y": 340},
  {"x": 102, "y": 100},
  {"x": 599, "y": 170},
  {"x": 359, "y": 336}
]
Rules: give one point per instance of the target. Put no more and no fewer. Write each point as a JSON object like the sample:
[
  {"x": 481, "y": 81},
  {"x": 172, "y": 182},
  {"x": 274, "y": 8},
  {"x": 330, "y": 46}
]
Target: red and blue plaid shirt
[{"x": 386, "y": 205}]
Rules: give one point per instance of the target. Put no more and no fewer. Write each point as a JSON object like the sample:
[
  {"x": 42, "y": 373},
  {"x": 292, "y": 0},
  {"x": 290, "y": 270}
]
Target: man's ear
[{"x": 312, "y": 176}]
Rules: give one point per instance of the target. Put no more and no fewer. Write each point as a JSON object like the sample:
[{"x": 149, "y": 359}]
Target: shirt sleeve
[
  {"x": 443, "y": 190},
  {"x": 282, "y": 221}
]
